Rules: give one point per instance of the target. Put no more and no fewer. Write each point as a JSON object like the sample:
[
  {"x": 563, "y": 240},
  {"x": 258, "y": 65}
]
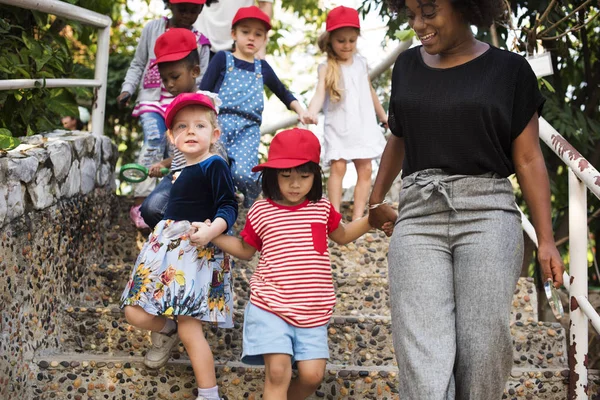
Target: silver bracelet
[{"x": 374, "y": 206}]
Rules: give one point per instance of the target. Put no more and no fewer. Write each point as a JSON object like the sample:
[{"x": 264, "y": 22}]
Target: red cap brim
[
  {"x": 187, "y": 1},
  {"x": 343, "y": 25},
  {"x": 281, "y": 164},
  {"x": 171, "y": 57},
  {"x": 175, "y": 109}
]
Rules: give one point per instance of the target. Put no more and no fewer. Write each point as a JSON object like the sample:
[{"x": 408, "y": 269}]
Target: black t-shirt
[{"x": 463, "y": 119}]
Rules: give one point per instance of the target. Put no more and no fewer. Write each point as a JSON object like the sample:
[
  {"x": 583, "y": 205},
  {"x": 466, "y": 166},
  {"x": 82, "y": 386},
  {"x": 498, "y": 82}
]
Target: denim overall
[{"x": 240, "y": 117}]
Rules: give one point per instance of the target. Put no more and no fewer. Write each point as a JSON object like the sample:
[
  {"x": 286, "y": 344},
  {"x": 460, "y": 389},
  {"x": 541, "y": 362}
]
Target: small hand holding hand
[
  {"x": 388, "y": 228},
  {"x": 383, "y": 217},
  {"x": 384, "y": 123},
  {"x": 307, "y": 118},
  {"x": 202, "y": 235},
  {"x": 551, "y": 263}
]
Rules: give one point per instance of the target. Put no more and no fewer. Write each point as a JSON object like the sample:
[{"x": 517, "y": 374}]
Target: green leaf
[
  {"x": 5, "y": 132},
  {"x": 62, "y": 103},
  {"x": 42, "y": 60},
  {"x": 404, "y": 35},
  {"x": 548, "y": 85},
  {"x": 8, "y": 142}
]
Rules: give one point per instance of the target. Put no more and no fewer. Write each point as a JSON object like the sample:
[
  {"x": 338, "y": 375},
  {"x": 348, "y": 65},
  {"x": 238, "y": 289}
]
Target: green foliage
[
  {"x": 30, "y": 49},
  {"x": 7, "y": 142}
]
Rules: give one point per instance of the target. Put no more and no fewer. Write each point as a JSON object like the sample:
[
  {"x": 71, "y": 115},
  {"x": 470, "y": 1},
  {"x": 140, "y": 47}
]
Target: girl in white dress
[{"x": 349, "y": 103}]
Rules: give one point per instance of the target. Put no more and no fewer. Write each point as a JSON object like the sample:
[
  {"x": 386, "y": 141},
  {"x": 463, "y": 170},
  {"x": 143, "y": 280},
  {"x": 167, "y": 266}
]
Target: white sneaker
[{"x": 159, "y": 353}]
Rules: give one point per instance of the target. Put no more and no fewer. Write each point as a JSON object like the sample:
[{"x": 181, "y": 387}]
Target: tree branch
[
  {"x": 541, "y": 33},
  {"x": 544, "y": 15},
  {"x": 574, "y": 29}
]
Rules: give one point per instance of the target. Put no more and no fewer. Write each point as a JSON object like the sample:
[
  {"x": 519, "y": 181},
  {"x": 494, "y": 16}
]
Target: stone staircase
[{"x": 97, "y": 355}]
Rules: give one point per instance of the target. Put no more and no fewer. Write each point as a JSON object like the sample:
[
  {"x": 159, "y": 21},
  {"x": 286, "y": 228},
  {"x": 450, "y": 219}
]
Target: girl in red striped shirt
[{"x": 291, "y": 291}]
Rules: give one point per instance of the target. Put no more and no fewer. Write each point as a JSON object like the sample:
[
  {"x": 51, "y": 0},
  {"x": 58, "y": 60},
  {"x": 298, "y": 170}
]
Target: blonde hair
[{"x": 334, "y": 72}]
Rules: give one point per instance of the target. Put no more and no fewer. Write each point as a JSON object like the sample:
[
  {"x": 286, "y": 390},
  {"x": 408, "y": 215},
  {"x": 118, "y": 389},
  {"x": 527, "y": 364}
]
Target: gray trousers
[{"x": 454, "y": 261}]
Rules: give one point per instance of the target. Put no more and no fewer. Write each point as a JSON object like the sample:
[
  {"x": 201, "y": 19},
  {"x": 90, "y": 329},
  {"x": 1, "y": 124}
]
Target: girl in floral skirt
[{"x": 174, "y": 284}]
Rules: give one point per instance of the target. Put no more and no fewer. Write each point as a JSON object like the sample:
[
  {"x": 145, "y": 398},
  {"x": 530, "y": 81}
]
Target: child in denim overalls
[
  {"x": 238, "y": 77},
  {"x": 152, "y": 97}
]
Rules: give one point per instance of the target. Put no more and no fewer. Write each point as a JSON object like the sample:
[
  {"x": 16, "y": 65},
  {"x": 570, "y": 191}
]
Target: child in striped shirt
[{"x": 291, "y": 292}]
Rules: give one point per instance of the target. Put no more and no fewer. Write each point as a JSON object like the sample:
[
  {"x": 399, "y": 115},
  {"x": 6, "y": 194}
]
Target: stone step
[
  {"x": 359, "y": 272},
  {"x": 363, "y": 294},
  {"x": 360, "y": 293},
  {"x": 99, "y": 377},
  {"x": 360, "y": 341}
]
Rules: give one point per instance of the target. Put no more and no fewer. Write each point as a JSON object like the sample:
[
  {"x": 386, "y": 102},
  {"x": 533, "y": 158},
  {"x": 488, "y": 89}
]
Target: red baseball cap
[
  {"x": 187, "y": 1},
  {"x": 342, "y": 17},
  {"x": 174, "y": 45},
  {"x": 292, "y": 148},
  {"x": 251, "y": 12},
  {"x": 184, "y": 100}
]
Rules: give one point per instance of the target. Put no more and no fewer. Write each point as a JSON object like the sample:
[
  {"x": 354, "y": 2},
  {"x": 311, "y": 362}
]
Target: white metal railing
[
  {"x": 103, "y": 23},
  {"x": 582, "y": 176},
  {"x": 386, "y": 63}
]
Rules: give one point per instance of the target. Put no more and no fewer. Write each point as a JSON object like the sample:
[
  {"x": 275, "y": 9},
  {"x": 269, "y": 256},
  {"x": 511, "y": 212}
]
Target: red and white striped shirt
[{"x": 293, "y": 277}]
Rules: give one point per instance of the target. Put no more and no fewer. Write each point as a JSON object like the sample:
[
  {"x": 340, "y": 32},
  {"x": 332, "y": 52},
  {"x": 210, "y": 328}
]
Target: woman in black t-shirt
[{"x": 464, "y": 116}]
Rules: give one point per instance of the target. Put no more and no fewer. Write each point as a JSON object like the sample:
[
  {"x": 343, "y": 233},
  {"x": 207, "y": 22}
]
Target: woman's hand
[
  {"x": 382, "y": 215},
  {"x": 551, "y": 263}
]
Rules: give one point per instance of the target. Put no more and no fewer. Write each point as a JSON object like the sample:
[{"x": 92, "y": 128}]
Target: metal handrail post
[
  {"x": 578, "y": 330},
  {"x": 570, "y": 156},
  {"x": 101, "y": 74}
]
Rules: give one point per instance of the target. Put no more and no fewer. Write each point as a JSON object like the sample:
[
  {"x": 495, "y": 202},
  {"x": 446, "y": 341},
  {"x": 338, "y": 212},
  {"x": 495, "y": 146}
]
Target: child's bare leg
[
  {"x": 192, "y": 336},
  {"x": 362, "y": 188},
  {"x": 278, "y": 373},
  {"x": 138, "y": 317},
  {"x": 337, "y": 170},
  {"x": 310, "y": 376}
]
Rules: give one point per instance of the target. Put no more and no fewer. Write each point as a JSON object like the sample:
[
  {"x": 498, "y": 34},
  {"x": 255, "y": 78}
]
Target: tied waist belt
[{"x": 431, "y": 181}]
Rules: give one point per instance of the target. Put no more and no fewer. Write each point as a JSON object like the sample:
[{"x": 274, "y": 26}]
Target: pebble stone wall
[{"x": 56, "y": 195}]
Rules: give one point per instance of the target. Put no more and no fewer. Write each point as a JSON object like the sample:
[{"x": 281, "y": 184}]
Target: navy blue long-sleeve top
[
  {"x": 203, "y": 191},
  {"x": 215, "y": 74}
]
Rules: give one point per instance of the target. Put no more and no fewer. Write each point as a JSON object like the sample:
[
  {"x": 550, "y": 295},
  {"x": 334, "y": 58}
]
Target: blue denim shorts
[{"x": 266, "y": 333}]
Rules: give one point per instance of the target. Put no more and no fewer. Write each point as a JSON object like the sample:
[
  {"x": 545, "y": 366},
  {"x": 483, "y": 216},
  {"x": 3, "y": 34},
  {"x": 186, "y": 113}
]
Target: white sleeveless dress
[{"x": 351, "y": 130}]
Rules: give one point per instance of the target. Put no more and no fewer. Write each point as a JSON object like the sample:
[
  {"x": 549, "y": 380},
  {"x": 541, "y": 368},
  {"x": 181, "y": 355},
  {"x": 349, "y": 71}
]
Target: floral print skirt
[{"x": 174, "y": 277}]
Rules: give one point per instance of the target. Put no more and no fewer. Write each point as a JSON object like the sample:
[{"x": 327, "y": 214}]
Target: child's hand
[
  {"x": 154, "y": 170},
  {"x": 388, "y": 228},
  {"x": 308, "y": 118},
  {"x": 123, "y": 99},
  {"x": 202, "y": 235},
  {"x": 384, "y": 122}
]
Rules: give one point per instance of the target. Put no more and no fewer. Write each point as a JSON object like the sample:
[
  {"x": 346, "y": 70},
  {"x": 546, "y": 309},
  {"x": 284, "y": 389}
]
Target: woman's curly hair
[{"x": 481, "y": 13}]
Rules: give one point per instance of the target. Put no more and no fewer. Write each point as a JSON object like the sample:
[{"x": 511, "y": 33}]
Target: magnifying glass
[
  {"x": 554, "y": 299},
  {"x": 135, "y": 173}
]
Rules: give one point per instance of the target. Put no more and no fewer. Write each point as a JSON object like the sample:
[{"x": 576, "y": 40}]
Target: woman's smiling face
[{"x": 438, "y": 25}]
